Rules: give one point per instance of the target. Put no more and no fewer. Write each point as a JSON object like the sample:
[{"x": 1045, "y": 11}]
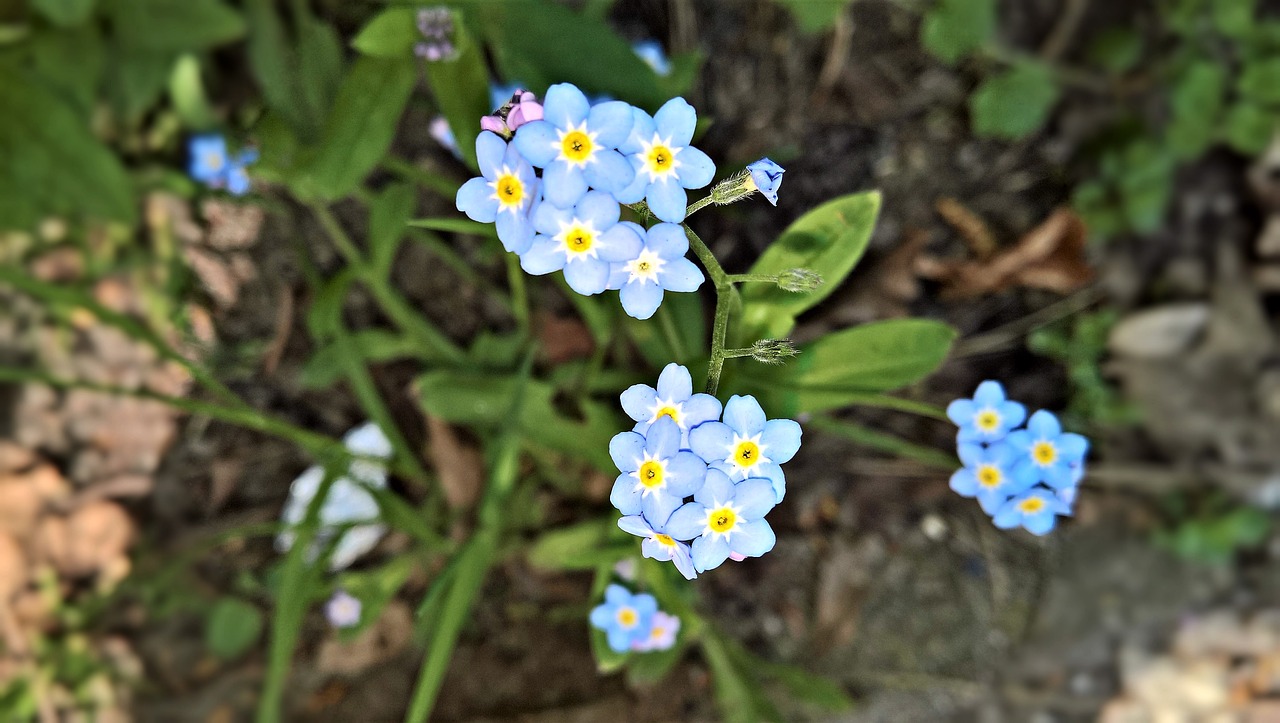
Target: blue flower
[
  {"x": 674, "y": 398},
  {"x": 656, "y": 474},
  {"x": 658, "y": 545},
  {"x": 663, "y": 630},
  {"x": 1045, "y": 453},
  {"x": 651, "y": 52},
  {"x": 440, "y": 130},
  {"x": 213, "y": 166},
  {"x": 1036, "y": 510},
  {"x": 625, "y": 618},
  {"x": 665, "y": 164},
  {"x": 582, "y": 240},
  {"x": 725, "y": 517},
  {"x": 766, "y": 176},
  {"x": 659, "y": 266},
  {"x": 575, "y": 144},
  {"x": 343, "y": 610},
  {"x": 746, "y": 445},
  {"x": 504, "y": 193},
  {"x": 986, "y": 475},
  {"x": 987, "y": 417}
]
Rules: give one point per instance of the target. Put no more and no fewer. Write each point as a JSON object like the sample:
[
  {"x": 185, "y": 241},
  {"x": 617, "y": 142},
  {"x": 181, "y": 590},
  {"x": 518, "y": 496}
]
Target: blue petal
[
  {"x": 638, "y": 400},
  {"x": 992, "y": 501},
  {"x": 641, "y": 130},
  {"x": 1059, "y": 475},
  {"x": 989, "y": 394},
  {"x": 549, "y": 218},
  {"x": 744, "y": 415},
  {"x": 696, "y": 168},
  {"x": 602, "y": 616},
  {"x": 598, "y": 208},
  {"x": 646, "y": 605},
  {"x": 636, "y": 190},
  {"x": 609, "y": 171},
  {"x": 237, "y": 181},
  {"x": 999, "y": 453},
  {"x": 619, "y": 244},
  {"x": 753, "y": 538},
  {"x": 701, "y": 408},
  {"x": 675, "y": 121},
  {"x": 1025, "y": 474},
  {"x": 681, "y": 275},
  {"x": 687, "y": 522},
  {"x": 490, "y": 149},
  {"x": 564, "y": 105},
  {"x": 563, "y": 185},
  {"x": 653, "y": 550},
  {"x": 667, "y": 240},
  {"x": 1011, "y": 414},
  {"x": 624, "y": 496},
  {"x": 626, "y": 449},
  {"x": 1043, "y": 425},
  {"x": 475, "y": 199},
  {"x": 636, "y": 525},
  {"x": 683, "y": 560},
  {"x": 667, "y": 200},
  {"x": 687, "y": 472},
  {"x": 617, "y": 595},
  {"x": 773, "y": 473},
  {"x": 709, "y": 553},
  {"x": 781, "y": 440},
  {"x": 711, "y": 441},
  {"x": 587, "y": 276},
  {"x": 1072, "y": 447},
  {"x": 619, "y": 639},
  {"x": 755, "y": 497},
  {"x": 1009, "y": 516},
  {"x": 659, "y": 505},
  {"x": 618, "y": 275},
  {"x": 964, "y": 482},
  {"x": 515, "y": 231},
  {"x": 1039, "y": 524},
  {"x": 961, "y": 412},
  {"x": 663, "y": 438},
  {"x": 543, "y": 256},
  {"x": 1020, "y": 441},
  {"x": 971, "y": 454},
  {"x": 640, "y": 300},
  {"x": 538, "y": 142},
  {"x": 675, "y": 383},
  {"x": 716, "y": 489},
  {"x": 612, "y": 121}
]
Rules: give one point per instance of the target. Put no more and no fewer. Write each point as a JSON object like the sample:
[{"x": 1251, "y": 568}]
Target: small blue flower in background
[
  {"x": 651, "y": 52},
  {"x": 766, "y": 176},
  {"x": 625, "y": 618},
  {"x": 663, "y": 630},
  {"x": 443, "y": 134},
  {"x": 986, "y": 475},
  {"x": 746, "y": 445},
  {"x": 987, "y": 417},
  {"x": 1047, "y": 454},
  {"x": 343, "y": 610},
  {"x": 1036, "y": 510},
  {"x": 665, "y": 164},
  {"x": 503, "y": 194},
  {"x": 576, "y": 144},
  {"x": 582, "y": 240},
  {"x": 725, "y": 517},
  {"x": 212, "y": 165},
  {"x": 674, "y": 398},
  {"x": 656, "y": 474},
  {"x": 658, "y": 545},
  {"x": 659, "y": 266}
]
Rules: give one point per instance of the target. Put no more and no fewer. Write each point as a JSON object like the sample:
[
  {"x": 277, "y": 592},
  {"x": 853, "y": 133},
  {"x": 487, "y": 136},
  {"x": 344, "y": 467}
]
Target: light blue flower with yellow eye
[
  {"x": 625, "y": 618},
  {"x": 986, "y": 475},
  {"x": 576, "y": 144},
  {"x": 659, "y": 266},
  {"x": 656, "y": 474},
  {"x": 1046, "y": 453},
  {"x": 504, "y": 193},
  {"x": 746, "y": 444},
  {"x": 725, "y": 517},
  {"x": 987, "y": 417},
  {"x": 766, "y": 177},
  {"x": 651, "y": 52},
  {"x": 583, "y": 240},
  {"x": 658, "y": 545},
  {"x": 674, "y": 399},
  {"x": 209, "y": 159},
  {"x": 1036, "y": 510},
  {"x": 665, "y": 163}
]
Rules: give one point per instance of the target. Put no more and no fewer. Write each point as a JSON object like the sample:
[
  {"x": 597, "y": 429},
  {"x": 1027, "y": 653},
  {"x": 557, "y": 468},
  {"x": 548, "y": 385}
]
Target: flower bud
[
  {"x": 799, "y": 280},
  {"x": 773, "y": 351},
  {"x": 766, "y": 177}
]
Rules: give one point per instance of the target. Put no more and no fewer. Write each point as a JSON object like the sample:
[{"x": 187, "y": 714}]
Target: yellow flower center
[
  {"x": 578, "y": 240},
  {"x": 746, "y": 454},
  {"x": 576, "y": 146},
  {"x": 665, "y": 540},
  {"x": 722, "y": 520},
  {"x": 213, "y": 161},
  {"x": 510, "y": 190},
  {"x": 989, "y": 476},
  {"x": 660, "y": 160},
  {"x": 1031, "y": 505},
  {"x": 657, "y": 632},
  {"x": 651, "y": 474},
  {"x": 1044, "y": 453},
  {"x": 988, "y": 420},
  {"x": 668, "y": 412},
  {"x": 627, "y": 617}
]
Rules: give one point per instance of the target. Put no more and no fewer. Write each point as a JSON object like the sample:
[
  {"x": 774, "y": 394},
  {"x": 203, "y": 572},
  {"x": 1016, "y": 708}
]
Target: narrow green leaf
[
  {"x": 456, "y": 225},
  {"x": 582, "y": 546},
  {"x": 325, "y": 367},
  {"x": 461, "y": 90},
  {"x": 233, "y": 627},
  {"x": 388, "y": 215},
  {"x": 1015, "y": 103}
]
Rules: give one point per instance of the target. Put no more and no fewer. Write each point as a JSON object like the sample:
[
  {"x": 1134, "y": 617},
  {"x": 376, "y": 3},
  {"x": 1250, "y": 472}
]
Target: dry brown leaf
[
  {"x": 14, "y": 457},
  {"x": 232, "y": 226},
  {"x": 20, "y": 505},
  {"x": 61, "y": 265},
  {"x": 969, "y": 225},
  {"x": 460, "y": 466},
  {"x": 13, "y": 568},
  {"x": 93, "y": 539},
  {"x": 563, "y": 339},
  {"x": 1050, "y": 256}
]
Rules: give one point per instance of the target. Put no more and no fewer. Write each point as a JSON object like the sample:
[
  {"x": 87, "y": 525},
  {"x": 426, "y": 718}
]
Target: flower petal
[
  {"x": 537, "y": 142},
  {"x": 675, "y": 122},
  {"x": 616, "y": 595},
  {"x": 681, "y": 275},
  {"x": 1072, "y": 447},
  {"x": 543, "y": 256},
  {"x": 564, "y": 105},
  {"x": 598, "y": 208},
  {"x": 667, "y": 200},
  {"x": 475, "y": 199},
  {"x": 781, "y": 439},
  {"x": 610, "y": 172},
  {"x": 515, "y": 231},
  {"x": 667, "y": 240},
  {"x": 638, "y": 400},
  {"x": 1044, "y": 425},
  {"x": 754, "y": 497},
  {"x": 641, "y": 131},
  {"x": 659, "y": 505},
  {"x": 640, "y": 300},
  {"x": 636, "y": 525},
  {"x": 624, "y": 496},
  {"x": 1012, "y": 414},
  {"x": 687, "y": 522},
  {"x": 753, "y": 538},
  {"x": 490, "y": 150},
  {"x": 620, "y": 243},
  {"x": 612, "y": 121},
  {"x": 687, "y": 472},
  {"x": 627, "y": 449},
  {"x": 663, "y": 438},
  {"x": 675, "y": 383},
  {"x": 696, "y": 168},
  {"x": 587, "y": 276},
  {"x": 562, "y": 184},
  {"x": 744, "y": 415},
  {"x": 682, "y": 557},
  {"x": 961, "y": 412},
  {"x": 716, "y": 489},
  {"x": 711, "y": 441},
  {"x": 701, "y": 408},
  {"x": 964, "y": 482},
  {"x": 709, "y": 553}
]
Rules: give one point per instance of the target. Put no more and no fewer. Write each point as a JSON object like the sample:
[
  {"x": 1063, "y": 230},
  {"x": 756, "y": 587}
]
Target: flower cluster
[
  {"x": 347, "y": 502},
  {"x": 634, "y": 622},
  {"x": 593, "y": 159},
  {"x": 212, "y": 165},
  {"x": 1021, "y": 477},
  {"x": 436, "y": 26},
  {"x": 682, "y": 447}
]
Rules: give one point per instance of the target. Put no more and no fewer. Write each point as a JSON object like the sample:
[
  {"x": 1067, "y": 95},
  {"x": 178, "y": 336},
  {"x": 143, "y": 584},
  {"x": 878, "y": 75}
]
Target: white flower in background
[{"x": 348, "y": 501}]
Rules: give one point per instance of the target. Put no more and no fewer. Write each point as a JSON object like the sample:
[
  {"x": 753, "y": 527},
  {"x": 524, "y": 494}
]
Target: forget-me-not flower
[
  {"x": 625, "y": 618},
  {"x": 987, "y": 475},
  {"x": 746, "y": 445},
  {"x": 987, "y": 417},
  {"x": 651, "y": 52},
  {"x": 663, "y": 630},
  {"x": 214, "y": 166},
  {"x": 656, "y": 474},
  {"x": 658, "y": 545},
  {"x": 1036, "y": 510},
  {"x": 503, "y": 194},
  {"x": 665, "y": 164},
  {"x": 583, "y": 240},
  {"x": 674, "y": 398},
  {"x": 659, "y": 266},
  {"x": 1046, "y": 453},
  {"x": 576, "y": 144},
  {"x": 766, "y": 177},
  {"x": 343, "y": 610},
  {"x": 440, "y": 130},
  {"x": 725, "y": 517}
]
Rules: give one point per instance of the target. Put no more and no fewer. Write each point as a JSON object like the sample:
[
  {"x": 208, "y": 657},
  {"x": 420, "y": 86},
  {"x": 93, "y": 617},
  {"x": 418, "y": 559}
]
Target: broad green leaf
[
  {"x": 815, "y": 16},
  {"x": 298, "y": 72},
  {"x": 830, "y": 240},
  {"x": 1145, "y": 183},
  {"x": 461, "y": 89},
  {"x": 391, "y": 33},
  {"x": 1260, "y": 81},
  {"x": 232, "y": 628},
  {"x": 186, "y": 92},
  {"x": 320, "y": 63},
  {"x": 953, "y": 29},
  {"x": 176, "y": 25},
  {"x": 362, "y": 124},
  {"x": 71, "y": 62},
  {"x": 1116, "y": 49},
  {"x": 1196, "y": 102},
  {"x": 388, "y": 215},
  {"x": 1249, "y": 127},
  {"x": 838, "y": 369},
  {"x": 64, "y": 12},
  {"x": 582, "y": 546},
  {"x": 1015, "y": 103},
  {"x": 136, "y": 77}
]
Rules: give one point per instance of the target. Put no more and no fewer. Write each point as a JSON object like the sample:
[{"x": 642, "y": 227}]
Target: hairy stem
[
  {"x": 740, "y": 278},
  {"x": 724, "y": 294},
  {"x": 698, "y": 205}
]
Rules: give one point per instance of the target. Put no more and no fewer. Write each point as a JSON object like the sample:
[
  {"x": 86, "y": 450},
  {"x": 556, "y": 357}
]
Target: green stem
[
  {"x": 724, "y": 293},
  {"x": 736, "y": 353},
  {"x": 519, "y": 294},
  {"x": 740, "y": 278},
  {"x": 698, "y": 205}
]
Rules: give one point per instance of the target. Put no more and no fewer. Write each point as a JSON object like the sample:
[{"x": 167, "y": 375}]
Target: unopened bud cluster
[
  {"x": 773, "y": 351},
  {"x": 799, "y": 281}
]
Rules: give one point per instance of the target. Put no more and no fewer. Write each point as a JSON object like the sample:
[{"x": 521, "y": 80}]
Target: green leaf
[
  {"x": 815, "y": 16},
  {"x": 1234, "y": 18},
  {"x": 677, "y": 332},
  {"x": 1196, "y": 102},
  {"x": 325, "y": 367},
  {"x": 136, "y": 77},
  {"x": 1116, "y": 49},
  {"x": 456, "y": 225},
  {"x": 388, "y": 215},
  {"x": 830, "y": 240},
  {"x": 176, "y": 25},
  {"x": 461, "y": 90},
  {"x": 953, "y": 29},
  {"x": 186, "y": 92},
  {"x": 375, "y": 588},
  {"x": 582, "y": 546},
  {"x": 64, "y": 12},
  {"x": 1260, "y": 81},
  {"x": 1249, "y": 127},
  {"x": 233, "y": 627},
  {"x": 838, "y": 369},
  {"x": 298, "y": 74},
  {"x": 391, "y": 33},
  {"x": 1015, "y": 103},
  {"x": 362, "y": 124},
  {"x": 71, "y": 62}
]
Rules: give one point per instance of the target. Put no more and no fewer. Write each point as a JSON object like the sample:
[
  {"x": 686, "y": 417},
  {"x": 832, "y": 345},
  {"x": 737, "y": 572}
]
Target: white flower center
[{"x": 645, "y": 267}]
